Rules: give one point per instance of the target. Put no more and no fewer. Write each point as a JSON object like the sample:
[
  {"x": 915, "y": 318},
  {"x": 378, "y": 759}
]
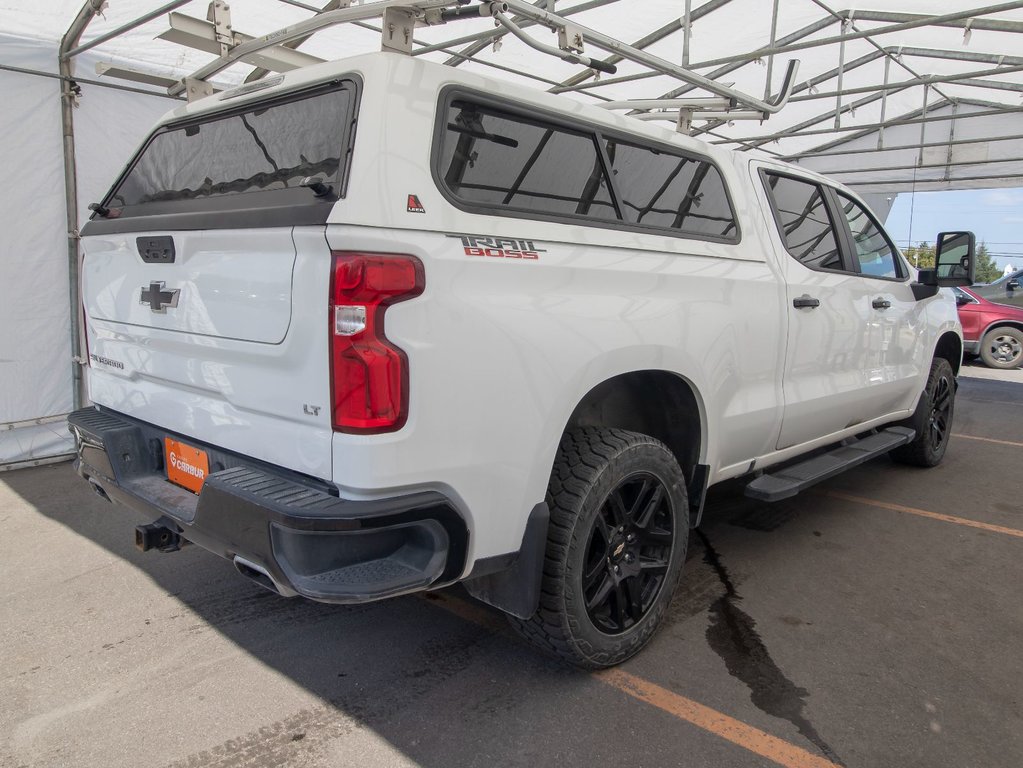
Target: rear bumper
[{"x": 291, "y": 533}]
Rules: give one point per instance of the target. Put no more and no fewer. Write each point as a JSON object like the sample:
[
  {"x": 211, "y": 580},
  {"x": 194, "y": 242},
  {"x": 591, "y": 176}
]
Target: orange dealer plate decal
[{"x": 186, "y": 466}]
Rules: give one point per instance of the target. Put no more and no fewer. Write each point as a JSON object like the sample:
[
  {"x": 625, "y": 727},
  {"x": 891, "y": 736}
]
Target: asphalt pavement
[{"x": 876, "y": 621}]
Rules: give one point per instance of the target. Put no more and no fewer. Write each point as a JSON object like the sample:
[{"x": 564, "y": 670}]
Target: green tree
[
  {"x": 987, "y": 270},
  {"x": 921, "y": 256}
]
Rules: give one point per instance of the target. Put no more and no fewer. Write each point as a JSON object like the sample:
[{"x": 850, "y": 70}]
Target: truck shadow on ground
[{"x": 412, "y": 672}]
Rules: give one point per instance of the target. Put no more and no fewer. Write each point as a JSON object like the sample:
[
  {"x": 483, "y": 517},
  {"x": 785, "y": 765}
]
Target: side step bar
[{"x": 791, "y": 480}]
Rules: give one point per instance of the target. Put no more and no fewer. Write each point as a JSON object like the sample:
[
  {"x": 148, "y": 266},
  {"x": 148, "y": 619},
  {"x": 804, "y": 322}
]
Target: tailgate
[{"x": 224, "y": 284}]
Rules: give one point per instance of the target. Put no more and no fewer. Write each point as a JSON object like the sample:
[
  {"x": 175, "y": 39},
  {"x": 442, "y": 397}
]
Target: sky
[{"x": 995, "y": 216}]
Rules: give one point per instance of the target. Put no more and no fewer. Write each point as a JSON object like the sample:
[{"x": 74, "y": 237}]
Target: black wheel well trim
[
  {"x": 950, "y": 347},
  {"x": 621, "y": 402}
]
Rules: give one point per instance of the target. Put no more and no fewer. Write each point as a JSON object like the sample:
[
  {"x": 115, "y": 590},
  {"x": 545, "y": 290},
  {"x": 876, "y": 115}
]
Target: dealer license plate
[{"x": 186, "y": 466}]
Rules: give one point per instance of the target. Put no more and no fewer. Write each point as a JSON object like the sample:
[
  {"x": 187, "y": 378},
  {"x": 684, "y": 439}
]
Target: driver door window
[{"x": 873, "y": 254}]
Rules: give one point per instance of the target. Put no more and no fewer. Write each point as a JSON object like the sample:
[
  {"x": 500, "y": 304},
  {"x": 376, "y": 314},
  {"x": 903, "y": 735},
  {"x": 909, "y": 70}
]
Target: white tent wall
[
  {"x": 845, "y": 55},
  {"x": 35, "y": 343}
]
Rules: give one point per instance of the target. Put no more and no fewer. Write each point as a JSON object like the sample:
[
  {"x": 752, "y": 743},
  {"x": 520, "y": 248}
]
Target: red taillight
[{"x": 369, "y": 375}]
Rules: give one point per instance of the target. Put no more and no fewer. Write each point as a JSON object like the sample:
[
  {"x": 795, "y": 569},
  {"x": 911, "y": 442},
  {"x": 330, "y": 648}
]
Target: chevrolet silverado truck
[{"x": 378, "y": 326}]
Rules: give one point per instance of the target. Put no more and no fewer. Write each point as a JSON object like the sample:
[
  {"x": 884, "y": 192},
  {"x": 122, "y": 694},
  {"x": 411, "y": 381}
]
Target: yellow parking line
[
  {"x": 728, "y": 728},
  {"x": 925, "y": 513},
  {"x": 988, "y": 440}
]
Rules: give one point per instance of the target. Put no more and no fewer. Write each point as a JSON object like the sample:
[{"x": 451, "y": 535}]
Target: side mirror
[
  {"x": 1013, "y": 285},
  {"x": 954, "y": 259},
  {"x": 961, "y": 300}
]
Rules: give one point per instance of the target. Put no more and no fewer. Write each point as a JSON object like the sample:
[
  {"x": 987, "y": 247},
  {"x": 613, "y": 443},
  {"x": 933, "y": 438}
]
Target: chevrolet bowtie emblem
[{"x": 157, "y": 298}]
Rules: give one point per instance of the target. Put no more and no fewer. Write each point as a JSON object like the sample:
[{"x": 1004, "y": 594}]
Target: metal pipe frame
[
  {"x": 687, "y": 32},
  {"x": 773, "y": 42},
  {"x": 484, "y": 39},
  {"x": 990, "y": 25},
  {"x": 87, "y": 81},
  {"x": 125, "y": 28},
  {"x": 900, "y": 147},
  {"x": 665, "y": 67},
  {"x": 301, "y": 29},
  {"x": 963, "y": 78},
  {"x": 925, "y": 166},
  {"x": 867, "y": 128},
  {"x": 920, "y": 21},
  {"x": 68, "y": 95},
  {"x": 550, "y": 50},
  {"x": 810, "y": 82},
  {"x": 921, "y": 182},
  {"x": 657, "y": 35},
  {"x": 847, "y": 20}
]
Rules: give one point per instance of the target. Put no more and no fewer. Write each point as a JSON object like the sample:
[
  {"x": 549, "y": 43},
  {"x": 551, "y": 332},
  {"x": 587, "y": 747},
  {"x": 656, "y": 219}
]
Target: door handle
[
  {"x": 881, "y": 303},
  {"x": 806, "y": 302}
]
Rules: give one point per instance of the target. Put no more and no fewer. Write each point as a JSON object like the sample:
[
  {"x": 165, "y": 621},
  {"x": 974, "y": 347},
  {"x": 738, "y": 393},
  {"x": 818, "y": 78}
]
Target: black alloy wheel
[
  {"x": 628, "y": 553},
  {"x": 616, "y": 543},
  {"x": 932, "y": 420},
  {"x": 940, "y": 422}
]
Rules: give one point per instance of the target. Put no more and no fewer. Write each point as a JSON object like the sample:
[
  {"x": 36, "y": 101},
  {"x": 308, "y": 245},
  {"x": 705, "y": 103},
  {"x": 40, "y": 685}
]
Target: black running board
[{"x": 791, "y": 480}]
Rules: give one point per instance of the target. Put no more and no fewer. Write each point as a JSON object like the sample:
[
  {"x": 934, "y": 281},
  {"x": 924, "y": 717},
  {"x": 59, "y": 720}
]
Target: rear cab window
[
  {"x": 242, "y": 164},
  {"x": 489, "y": 157}
]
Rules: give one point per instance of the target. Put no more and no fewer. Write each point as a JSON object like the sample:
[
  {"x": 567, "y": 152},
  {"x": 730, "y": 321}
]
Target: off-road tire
[
  {"x": 932, "y": 419},
  {"x": 592, "y": 466}
]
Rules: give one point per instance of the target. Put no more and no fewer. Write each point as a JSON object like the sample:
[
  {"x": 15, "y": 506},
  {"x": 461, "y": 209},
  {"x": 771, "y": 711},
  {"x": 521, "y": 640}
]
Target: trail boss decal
[{"x": 499, "y": 247}]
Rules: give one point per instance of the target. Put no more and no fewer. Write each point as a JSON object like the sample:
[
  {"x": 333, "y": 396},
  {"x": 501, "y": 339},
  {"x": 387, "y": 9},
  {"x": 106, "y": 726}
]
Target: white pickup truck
[{"x": 379, "y": 326}]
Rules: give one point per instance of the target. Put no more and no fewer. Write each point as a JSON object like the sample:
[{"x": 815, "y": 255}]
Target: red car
[{"x": 993, "y": 331}]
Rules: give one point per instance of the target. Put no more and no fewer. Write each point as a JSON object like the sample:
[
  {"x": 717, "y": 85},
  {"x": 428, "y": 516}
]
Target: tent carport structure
[{"x": 903, "y": 95}]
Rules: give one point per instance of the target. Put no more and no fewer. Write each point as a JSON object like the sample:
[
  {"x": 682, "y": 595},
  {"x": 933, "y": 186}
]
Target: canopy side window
[
  {"x": 492, "y": 158},
  {"x": 663, "y": 189}
]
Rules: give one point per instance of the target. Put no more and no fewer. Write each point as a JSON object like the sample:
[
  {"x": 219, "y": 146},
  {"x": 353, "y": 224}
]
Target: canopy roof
[{"x": 897, "y": 73}]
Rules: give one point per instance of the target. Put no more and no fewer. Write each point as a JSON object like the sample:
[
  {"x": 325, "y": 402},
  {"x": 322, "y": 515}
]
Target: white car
[{"x": 379, "y": 325}]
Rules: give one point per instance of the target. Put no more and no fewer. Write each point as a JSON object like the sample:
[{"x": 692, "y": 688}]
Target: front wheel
[
  {"x": 932, "y": 419},
  {"x": 1002, "y": 348},
  {"x": 619, "y": 528}
]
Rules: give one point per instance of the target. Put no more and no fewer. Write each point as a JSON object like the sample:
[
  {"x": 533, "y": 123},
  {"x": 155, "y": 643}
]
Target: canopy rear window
[{"x": 250, "y": 158}]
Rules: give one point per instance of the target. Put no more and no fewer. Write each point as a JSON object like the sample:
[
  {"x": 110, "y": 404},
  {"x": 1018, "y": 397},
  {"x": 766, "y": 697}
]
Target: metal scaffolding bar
[
  {"x": 125, "y": 28},
  {"x": 68, "y": 97},
  {"x": 655, "y": 36},
  {"x": 922, "y": 21},
  {"x": 963, "y": 78},
  {"x": 990, "y": 25},
  {"x": 884, "y": 99},
  {"x": 938, "y": 53},
  {"x": 774, "y": 41},
  {"x": 687, "y": 31},
  {"x": 899, "y": 147},
  {"x": 86, "y": 81},
  {"x": 909, "y": 167},
  {"x": 788, "y": 134},
  {"x": 300, "y": 29},
  {"x": 922, "y": 182},
  {"x": 484, "y": 38},
  {"x": 665, "y": 67}
]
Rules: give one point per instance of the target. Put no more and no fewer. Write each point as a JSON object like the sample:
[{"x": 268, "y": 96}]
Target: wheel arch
[
  {"x": 658, "y": 403},
  {"x": 1018, "y": 325},
  {"x": 950, "y": 347}
]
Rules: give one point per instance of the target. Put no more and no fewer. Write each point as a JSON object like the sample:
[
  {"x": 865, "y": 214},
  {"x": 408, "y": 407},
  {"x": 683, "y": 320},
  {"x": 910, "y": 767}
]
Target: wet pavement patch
[{"x": 732, "y": 634}]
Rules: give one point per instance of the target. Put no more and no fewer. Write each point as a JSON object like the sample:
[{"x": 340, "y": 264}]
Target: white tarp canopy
[{"x": 943, "y": 78}]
